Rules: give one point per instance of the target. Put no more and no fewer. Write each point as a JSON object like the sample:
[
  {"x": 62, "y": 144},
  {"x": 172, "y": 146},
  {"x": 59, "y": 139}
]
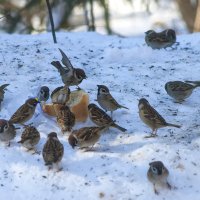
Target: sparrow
[
  {"x": 53, "y": 150},
  {"x": 100, "y": 118},
  {"x": 158, "y": 174},
  {"x": 179, "y": 90},
  {"x": 43, "y": 94},
  {"x": 7, "y": 131},
  {"x": 65, "y": 118},
  {"x": 30, "y": 137},
  {"x": 24, "y": 112},
  {"x": 160, "y": 40},
  {"x": 106, "y": 100},
  {"x": 85, "y": 137},
  {"x": 70, "y": 76},
  {"x": 60, "y": 95},
  {"x": 2, "y": 91},
  {"x": 151, "y": 117}
]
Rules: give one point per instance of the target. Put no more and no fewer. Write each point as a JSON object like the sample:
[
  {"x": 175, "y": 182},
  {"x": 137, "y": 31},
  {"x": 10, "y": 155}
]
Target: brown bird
[
  {"x": 106, "y": 100},
  {"x": 25, "y": 112},
  {"x": 70, "y": 76},
  {"x": 158, "y": 174},
  {"x": 2, "y": 91},
  {"x": 7, "y": 131},
  {"x": 65, "y": 118},
  {"x": 85, "y": 137},
  {"x": 53, "y": 151},
  {"x": 30, "y": 137},
  {"x": 100, "y": 118},
  {"x": 61, "y": 95},
  {"x": 151, "y": 117}
]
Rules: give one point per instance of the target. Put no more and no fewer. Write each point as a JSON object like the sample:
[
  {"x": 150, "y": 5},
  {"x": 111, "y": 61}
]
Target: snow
[{"x": 117, "y": 167}]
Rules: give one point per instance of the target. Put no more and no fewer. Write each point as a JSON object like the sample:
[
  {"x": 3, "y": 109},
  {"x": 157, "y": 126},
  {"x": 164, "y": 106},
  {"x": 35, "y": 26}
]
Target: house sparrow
[
  {"x": 30, "y": 137},
  {"x": 60, "y": 95},
  {"x": 100, "y": 118},
  {"x": 70, "y": 76},
  {"x": 7, "y": 131},
  {"x": 65, "y": 118},
  {"x": 158, "y": 174},
  {"x": 179, "y": 90},
  {"x": 160, "y": 40},
  {"x": 43, "y": 94},
  {"x": 24, "y": 112},
  {"x": 85, "y": 137},
  {"x": 2, "y": 91},
  {"x": 106, "y": 101},
  {"x": 53, "y": 150},
  {"x": 151, "y": 117}
]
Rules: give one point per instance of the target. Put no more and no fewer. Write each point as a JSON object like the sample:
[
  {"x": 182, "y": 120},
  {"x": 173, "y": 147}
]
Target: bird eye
[
  {"x": 79, "y": 77},
  {"x": 6, "y": 127},
  {"x": 154, "y": 170},
  {"x": 103, "y": 90}
]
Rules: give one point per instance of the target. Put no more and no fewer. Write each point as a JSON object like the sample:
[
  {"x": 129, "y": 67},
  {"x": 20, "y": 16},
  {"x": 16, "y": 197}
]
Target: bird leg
[
  {"x": 153, "y": 134},
  {"x": 169, "y": 186},
  {"x": 155, "y": 190}
]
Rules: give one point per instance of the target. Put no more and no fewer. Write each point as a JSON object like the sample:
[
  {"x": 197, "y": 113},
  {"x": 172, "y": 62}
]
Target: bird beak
[{"x": 37, "y": 100}]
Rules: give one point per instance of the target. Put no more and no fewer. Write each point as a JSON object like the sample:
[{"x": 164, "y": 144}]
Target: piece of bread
[{"x": 78, "y": 104}]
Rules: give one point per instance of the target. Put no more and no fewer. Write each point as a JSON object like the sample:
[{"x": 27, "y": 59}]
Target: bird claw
[{"x": 151, "y": 136}]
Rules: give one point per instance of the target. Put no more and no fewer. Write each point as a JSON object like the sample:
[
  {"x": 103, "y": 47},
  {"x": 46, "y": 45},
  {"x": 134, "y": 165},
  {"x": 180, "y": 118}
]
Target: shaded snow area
[{"x": 117, "y": 167}]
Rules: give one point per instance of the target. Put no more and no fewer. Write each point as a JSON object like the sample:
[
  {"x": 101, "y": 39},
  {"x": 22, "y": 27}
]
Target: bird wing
[
  {"x": 177, "y": 86},
  {"x": 22, "y": 113},
  {"x": 66, "y": 61},
  {"x": 101, "y": 116},
  {"x": 55, "y": 91},
  {"x": 85, "y": 134},
  {"x": 151, "y": 114}
]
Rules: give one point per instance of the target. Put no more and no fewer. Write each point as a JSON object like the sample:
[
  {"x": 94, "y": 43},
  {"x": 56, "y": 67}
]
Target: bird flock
[{"x": 86, "y": 137}]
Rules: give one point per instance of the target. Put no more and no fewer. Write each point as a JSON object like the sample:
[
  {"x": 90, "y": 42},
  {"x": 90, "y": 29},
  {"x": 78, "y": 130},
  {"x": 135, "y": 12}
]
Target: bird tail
[
  {"x": 119, "y": 127},
  {"x": 196, "y": 83},
  {"x": 58, "y": 66},
  {"x": 174, "y": 125},
  {"x": 2, "y": 87},
  {"x": 124, "y": 107}
]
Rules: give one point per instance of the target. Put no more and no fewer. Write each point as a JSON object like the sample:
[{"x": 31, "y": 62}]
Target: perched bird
[
  {"x": 65, "y": 118},
  {"x": 24, "y": 112},
  {"x": 85, "y": 137},
  {"x": 160, "y": 40},
  {"x": 100, "y": 118},
  {"x": 7, "y": 131},
  {"x": 43, "y": 94},
  {"x": 2, "y": 91},
  {"x": 60, "y": 95},
  {"x": 70, "y": 76},
  {"x": 179, "y": 90},
  {"x": 30, "y": 137},
  {"x": 151, "y": 117},
  {"x": 53, "y": 151},
  {"x": 158, "y": 174},
  {"x": 106, "y": 100}
]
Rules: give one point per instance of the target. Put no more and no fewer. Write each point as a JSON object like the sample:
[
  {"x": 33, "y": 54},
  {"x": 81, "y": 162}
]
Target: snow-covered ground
[{"x": 117, "y": 167}]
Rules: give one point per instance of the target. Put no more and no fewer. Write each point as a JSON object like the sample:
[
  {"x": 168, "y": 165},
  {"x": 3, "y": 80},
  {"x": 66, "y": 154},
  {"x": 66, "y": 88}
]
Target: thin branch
[{"x": 51, "y": 21}]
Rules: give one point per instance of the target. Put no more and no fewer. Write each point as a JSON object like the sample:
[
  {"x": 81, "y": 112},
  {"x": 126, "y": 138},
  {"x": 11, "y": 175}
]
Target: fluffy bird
[
  {"x": 85, "y": 137},
  {"x": 180, "y": 90},
  {"x": 24, "y": 112},
  {"x": 53, "y": 151},
  {"x": 43, "y": 94},
  {"x": 30, "y": 137},
  {"x": 2, "y": 91},
  {"x": 151, "y": 117},
  {"x": 70, "y": 76},
  {"x": 60, "y": 95},
  {"x": 100, "y": 118},
  {"x": 7, "y": 131},
  {"x": 160, "y": 40},
  {"x": 106, "y": 100},
  {"x": 158, "y": 174},
  {"x": 65, "y": 118}
]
